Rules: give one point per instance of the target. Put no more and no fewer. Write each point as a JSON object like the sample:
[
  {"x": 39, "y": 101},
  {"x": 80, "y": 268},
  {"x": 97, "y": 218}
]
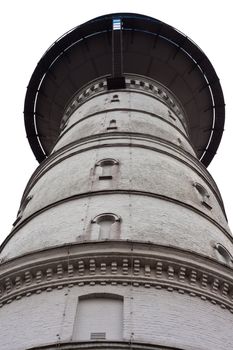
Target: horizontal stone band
[{"x": 116, "y": 263}]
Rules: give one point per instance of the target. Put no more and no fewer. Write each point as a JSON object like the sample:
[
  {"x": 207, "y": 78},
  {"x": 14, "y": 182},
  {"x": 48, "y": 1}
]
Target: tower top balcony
[{"x": 149, "y": 48}]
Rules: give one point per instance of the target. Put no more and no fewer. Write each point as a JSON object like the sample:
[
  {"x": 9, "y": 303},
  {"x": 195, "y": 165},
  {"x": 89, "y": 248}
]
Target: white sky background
[{"x": 29, "y": 27}]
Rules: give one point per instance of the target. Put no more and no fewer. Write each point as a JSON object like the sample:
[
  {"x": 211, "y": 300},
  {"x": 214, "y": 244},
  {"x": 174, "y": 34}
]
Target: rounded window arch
[
  {"x": 107, "y": 161},
  {"x": 201, "y": 189},
  {"x": 101, "y": 295},
  {"x": 22, "y": 208},
  {"x": 203, "y": 193},
  {"x": 106, "y": 226},
  {"x": 106, "y": 216},
  {"x": 224, "y": 253},
  {"x": 107, "y": 168},
  {"x": 112, "y": 125},
  {"x": 115, "y": 98}
]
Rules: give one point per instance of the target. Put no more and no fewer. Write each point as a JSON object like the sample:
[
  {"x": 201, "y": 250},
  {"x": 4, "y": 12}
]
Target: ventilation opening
[
  {"x": 98, "y": 336},
  {"x": 105, "y": 177}
]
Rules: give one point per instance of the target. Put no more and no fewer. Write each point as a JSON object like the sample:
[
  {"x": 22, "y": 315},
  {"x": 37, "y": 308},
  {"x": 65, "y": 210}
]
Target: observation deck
[{"x": 114, "y": 46}]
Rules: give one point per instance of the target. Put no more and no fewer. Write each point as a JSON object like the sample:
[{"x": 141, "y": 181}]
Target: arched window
[
  {"x": 106, "y": 166},
  {"x": 115, "y": 98},
  {"x": 112, "y": 125},
  {"x": 180, "y": 142},
  {"x": 105, "y": 226},
  {"x": 99, "y": 317},
  {"x": 21, "y": 209},
  {"x": 225, "y": 255},
  {"x": 204, "y": 195}
]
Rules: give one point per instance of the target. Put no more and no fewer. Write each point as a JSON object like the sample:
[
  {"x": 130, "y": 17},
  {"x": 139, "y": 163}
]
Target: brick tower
[{"x": 121, "y": 240}]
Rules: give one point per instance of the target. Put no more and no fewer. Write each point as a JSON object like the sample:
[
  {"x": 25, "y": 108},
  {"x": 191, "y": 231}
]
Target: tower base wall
[{"x": 49, "y": 318}]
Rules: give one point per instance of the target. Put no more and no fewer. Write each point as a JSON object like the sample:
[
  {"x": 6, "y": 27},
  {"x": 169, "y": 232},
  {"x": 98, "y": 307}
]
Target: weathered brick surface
[
  {"x": 143, "y": 218},
  {"x": 157, "y": 174},
  {"x": 154, "y": 195},
  {"x": 149, "y": 315}
]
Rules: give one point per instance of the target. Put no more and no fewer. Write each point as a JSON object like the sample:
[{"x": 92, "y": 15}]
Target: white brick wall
[
  {"x": 153, "y": 193},
  {"x": 153, "y": 316},
  {"x": 144, "y": 218}
]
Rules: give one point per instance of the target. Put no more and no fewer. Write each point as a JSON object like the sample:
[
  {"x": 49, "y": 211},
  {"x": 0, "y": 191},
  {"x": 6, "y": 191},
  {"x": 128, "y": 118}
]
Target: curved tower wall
[
  {"x": 124, "y": 152},
  {"x": 121, "y": 238}
]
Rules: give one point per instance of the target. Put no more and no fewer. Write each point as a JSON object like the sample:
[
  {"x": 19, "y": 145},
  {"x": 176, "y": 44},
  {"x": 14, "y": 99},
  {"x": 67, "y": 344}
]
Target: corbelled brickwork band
[
  {"x": 125, "y": 268},
  {"x": 132, "y": 83}
]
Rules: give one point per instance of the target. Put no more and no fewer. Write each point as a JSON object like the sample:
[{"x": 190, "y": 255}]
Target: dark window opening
[{"x": 112, "y": 125}]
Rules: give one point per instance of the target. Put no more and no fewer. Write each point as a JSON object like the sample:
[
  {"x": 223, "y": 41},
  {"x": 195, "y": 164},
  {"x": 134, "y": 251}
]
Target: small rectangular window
[{"x": 116, "y": 24}]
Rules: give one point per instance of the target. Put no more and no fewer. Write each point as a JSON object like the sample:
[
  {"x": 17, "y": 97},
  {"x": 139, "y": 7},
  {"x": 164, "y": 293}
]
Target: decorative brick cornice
[
  {"x": 117, "y": 263},
  {"x": 133, "y": 82}
]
